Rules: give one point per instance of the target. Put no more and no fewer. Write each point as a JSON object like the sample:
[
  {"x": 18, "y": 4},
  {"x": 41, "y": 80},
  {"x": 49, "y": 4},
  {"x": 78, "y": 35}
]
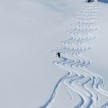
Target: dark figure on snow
[
  {"x": 90, "y": 1},
  {"x": 58, "y": 54}
]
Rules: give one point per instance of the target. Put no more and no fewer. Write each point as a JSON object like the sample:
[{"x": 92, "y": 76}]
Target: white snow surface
[{"x": 29, "y": 31}]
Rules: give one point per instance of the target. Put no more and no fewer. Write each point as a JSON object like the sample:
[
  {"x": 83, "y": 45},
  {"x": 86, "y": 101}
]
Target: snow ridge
[{"x": 85, "y": 83}]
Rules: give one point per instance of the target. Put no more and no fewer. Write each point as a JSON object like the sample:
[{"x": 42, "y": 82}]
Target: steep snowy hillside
[
  {"x": 29, "y": 30},
  {"x": 32, "y": 32},
  {"x": 86, "y": 66}
]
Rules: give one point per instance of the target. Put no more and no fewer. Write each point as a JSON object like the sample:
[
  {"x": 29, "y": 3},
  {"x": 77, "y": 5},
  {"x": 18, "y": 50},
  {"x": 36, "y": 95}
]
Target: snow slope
[
  {"x": 30, "y": 30},
  {"x": 87, "y": 83}
]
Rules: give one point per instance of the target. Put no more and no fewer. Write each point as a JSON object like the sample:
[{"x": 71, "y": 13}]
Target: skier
[
  {"x": 90, "y": 1},
  {"x": 58, "y": 54}
]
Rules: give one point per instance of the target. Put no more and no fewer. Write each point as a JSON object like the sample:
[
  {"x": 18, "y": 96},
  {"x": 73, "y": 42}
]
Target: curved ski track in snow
[{"x": 79, "y": 79}]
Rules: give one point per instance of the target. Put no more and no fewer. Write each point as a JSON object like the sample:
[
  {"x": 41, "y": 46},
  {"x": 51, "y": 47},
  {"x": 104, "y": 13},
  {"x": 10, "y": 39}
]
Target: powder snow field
[
  {"x": 29, "y": 31},
  {"x": 86, "y": 82}
]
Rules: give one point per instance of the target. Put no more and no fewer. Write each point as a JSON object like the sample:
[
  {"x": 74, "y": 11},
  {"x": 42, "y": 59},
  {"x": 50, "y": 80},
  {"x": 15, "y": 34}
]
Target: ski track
[{"x": 85, "y": 83}]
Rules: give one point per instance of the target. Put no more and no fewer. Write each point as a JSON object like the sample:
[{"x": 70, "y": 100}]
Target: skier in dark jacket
[
  {"x": 58, "y": 54},
  {"x": 90, "y": 1}
]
